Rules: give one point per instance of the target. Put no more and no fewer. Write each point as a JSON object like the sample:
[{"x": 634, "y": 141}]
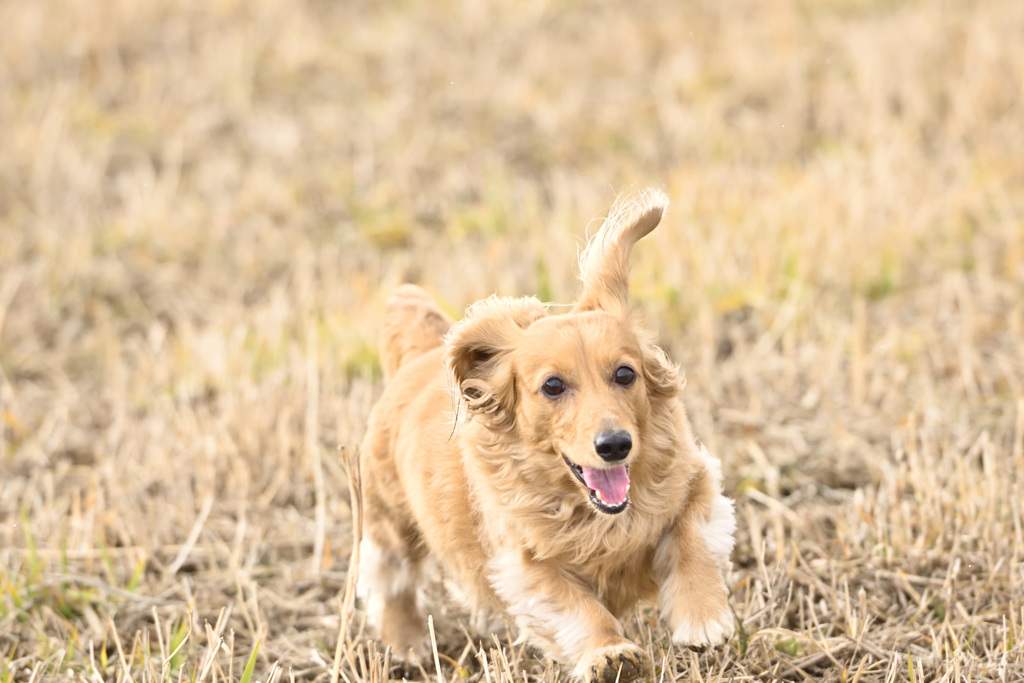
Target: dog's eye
[
  {"x": 625, "y": 375},
  {"x": 553, "y": 386}
]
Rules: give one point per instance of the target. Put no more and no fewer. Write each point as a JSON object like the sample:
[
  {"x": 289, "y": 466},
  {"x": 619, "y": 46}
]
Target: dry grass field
[{"x": 205, "y": 203}]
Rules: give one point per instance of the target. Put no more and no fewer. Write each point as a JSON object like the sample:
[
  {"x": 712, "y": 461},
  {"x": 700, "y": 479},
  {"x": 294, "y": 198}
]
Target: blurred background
[{"x": 204, "y": 206}]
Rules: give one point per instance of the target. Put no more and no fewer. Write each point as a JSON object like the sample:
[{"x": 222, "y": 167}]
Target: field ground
[{"x": 204, "y": 204}]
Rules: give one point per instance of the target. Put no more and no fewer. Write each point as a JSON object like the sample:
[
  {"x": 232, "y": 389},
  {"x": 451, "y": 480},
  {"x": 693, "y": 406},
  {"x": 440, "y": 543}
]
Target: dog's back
[{"x": 413, "y": 325}]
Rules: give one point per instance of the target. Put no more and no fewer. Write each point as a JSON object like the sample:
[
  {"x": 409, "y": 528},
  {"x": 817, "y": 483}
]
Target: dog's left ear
[
  {"x": 604, "y": 264},
  {"x": 477, "y": 351},
  {"x": 663, "y": 377}
]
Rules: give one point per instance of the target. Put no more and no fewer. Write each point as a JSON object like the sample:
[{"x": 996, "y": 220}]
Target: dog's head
[{"x": 576, "y": 391}]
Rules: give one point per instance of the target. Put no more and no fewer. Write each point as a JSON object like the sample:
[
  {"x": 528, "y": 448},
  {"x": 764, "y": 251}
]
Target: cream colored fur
[{"x": 480, "y": 482}]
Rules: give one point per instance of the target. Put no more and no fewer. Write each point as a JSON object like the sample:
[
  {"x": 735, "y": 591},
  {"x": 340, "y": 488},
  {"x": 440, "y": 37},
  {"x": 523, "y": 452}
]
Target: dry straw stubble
[{"x": 204, "y": 205}]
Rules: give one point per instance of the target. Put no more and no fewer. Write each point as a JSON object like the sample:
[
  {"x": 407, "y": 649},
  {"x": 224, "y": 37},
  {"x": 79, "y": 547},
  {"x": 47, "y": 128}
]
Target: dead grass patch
[{"x": 204, "y": 205}]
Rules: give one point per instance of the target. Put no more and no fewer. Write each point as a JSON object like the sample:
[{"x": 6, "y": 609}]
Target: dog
[{"x": 547, "y": 462}]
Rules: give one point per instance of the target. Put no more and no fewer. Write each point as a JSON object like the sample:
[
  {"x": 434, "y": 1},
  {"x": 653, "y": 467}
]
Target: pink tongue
[{"x": 611, "y": 484}]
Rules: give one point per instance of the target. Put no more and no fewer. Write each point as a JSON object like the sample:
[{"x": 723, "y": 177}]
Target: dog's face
[
  {"x": 574, "y": 391},
  {"x": 582, "y": 401}
]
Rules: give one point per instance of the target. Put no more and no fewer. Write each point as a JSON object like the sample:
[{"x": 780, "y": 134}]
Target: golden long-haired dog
[{"x": 560, "y": 486}]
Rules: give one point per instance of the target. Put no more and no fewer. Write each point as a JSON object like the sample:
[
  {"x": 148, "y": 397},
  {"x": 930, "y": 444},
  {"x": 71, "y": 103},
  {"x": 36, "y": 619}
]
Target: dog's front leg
[
  {"x": 556, "y": 612},
  {"x": 691, "y": 561}
]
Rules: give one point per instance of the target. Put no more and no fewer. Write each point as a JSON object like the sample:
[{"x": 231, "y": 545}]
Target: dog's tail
[
  {"x": 413, "y": 324},
  {"x": 604, "y": 264}
]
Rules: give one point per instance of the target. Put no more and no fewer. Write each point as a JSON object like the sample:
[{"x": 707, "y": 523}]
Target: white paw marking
[{"x": 713, "y": 632}]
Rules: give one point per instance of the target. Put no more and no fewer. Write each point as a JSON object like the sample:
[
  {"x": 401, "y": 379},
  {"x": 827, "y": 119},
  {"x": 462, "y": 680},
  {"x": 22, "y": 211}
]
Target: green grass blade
[{"x": 250, "y": 665}]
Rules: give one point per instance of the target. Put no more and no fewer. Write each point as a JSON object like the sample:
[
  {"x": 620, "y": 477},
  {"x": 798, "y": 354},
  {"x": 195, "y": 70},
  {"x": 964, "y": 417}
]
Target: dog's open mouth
[{"x": 609, "y": 487}]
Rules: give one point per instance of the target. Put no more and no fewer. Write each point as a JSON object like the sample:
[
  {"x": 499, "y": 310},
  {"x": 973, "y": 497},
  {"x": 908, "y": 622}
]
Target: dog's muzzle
[{"x": 608, "y": 487}]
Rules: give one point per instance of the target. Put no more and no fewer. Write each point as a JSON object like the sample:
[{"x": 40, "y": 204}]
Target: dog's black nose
[{"x": 612, "y": 446}]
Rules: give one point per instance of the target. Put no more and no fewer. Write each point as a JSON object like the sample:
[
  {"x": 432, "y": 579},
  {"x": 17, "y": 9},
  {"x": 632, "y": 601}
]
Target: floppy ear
[
  {"x": 604, "y": 264},
  {"x": 662, "y": 376},
  {"x": 477, "y": 351}
]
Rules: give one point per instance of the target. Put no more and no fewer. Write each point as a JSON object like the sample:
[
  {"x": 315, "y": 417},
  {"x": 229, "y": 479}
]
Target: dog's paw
[
  {"x": 405, "y": 666},
  {"x": 624, "y": 663},
  {"x": 699, "y": 634}
]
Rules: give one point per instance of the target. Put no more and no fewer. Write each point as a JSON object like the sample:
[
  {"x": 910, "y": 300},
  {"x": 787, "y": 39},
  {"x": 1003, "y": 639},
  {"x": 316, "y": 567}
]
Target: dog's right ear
[{"x": 477, "y": 350}]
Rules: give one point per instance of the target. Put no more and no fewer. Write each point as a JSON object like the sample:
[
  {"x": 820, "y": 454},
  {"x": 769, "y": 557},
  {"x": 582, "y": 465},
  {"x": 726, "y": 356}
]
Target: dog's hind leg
[
  {"x": 389, "y": 583},
  {"x": 390, "y": 572},
  {"x": 391, "y": 552}
]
